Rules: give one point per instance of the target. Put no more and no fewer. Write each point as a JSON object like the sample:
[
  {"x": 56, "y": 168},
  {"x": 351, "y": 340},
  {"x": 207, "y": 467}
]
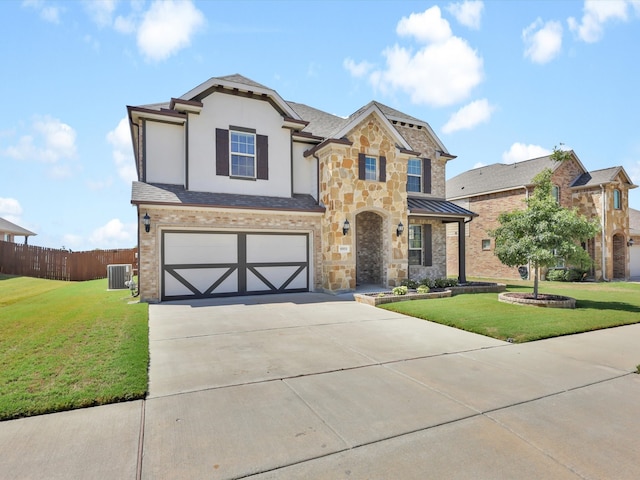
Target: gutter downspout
[
  {"x": 462, "y": 250},
  {"x": 603, "y": 224}
]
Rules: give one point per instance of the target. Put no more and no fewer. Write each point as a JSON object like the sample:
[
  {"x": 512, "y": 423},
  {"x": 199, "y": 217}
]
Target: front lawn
[
  {"x": 598, "y": 305},
  {"x": 66, "y": 345}
]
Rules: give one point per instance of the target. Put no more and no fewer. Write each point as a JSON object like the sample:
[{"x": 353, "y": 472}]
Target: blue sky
[{"x": 498, "y": 81}]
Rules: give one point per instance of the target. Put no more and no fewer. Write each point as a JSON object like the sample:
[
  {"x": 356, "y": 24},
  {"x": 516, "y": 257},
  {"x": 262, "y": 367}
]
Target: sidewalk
[{"x": 308, "y": 387}]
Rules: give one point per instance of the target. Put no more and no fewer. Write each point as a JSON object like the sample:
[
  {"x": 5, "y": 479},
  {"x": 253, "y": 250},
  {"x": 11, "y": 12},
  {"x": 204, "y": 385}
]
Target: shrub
[
  {"x": 566, "y": 275},
  {"x": 402, "y": 290},
  {"x": 427, "y": 282},
  {"x": 423, "y": 289},
  {"x": 410, "y": 284},
  {"x": 557, "y": 275}
]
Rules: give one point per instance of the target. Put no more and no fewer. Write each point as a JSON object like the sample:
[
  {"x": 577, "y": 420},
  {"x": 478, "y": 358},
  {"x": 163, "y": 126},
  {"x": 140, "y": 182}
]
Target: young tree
[{"x": 542, "y": 232}]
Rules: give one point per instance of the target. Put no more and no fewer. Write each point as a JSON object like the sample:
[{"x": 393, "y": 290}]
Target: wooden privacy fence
[{"x": 40, "y": 262}]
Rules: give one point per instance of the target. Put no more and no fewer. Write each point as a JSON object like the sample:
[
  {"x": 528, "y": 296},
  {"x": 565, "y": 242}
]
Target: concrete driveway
[{"x": 310, "y": 386}]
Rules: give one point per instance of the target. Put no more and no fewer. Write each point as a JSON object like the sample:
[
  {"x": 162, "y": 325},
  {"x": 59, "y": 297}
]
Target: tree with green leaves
[{"x": 542, "y": 232}]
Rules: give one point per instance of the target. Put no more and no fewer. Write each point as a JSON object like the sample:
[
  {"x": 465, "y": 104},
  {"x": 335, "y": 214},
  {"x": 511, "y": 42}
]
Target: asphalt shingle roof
[
  {"x": 596, "y": 177},
  {"x": 496, "y": 177},
  {"x": 166, "y": 194}
]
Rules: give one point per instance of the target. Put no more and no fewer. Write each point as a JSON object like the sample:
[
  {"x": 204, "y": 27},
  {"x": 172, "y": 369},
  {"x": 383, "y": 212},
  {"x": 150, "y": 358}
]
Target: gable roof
[
  {"x": 8, "y": 227},
  {"x": 601, "y": 177},
  {"x": 497, "y": 177}
]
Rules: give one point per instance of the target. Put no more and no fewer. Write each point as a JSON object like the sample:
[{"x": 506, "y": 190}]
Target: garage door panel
[
  {"x": 200, "y": 248},
  {"x": 276, "y": 248},
  {"x": 210, "y": 264},
  {"x": 277, "y": 277}
]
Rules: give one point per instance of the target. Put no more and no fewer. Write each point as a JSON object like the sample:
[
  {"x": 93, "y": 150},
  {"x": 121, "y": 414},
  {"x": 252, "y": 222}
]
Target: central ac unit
[{"x": 118, "y": 275}]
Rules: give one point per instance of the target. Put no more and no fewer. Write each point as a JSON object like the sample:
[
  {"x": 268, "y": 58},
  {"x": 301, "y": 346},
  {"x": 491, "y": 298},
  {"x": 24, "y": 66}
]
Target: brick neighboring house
[
  {"x": 245, "y": 193},
  {"x": 600, "y": 195}
]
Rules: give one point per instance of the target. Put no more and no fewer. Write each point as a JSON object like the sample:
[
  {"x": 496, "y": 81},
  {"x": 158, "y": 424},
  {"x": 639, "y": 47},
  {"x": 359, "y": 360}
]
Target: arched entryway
[
  {"x": 619, "y": 256},
  {"x": 369, "y": 257}
]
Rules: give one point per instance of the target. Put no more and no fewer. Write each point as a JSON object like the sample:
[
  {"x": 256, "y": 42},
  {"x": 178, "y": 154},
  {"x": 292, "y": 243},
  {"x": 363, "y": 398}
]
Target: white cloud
[
  {"x": 475, "y": 113},
  {"x": 47, "y": 12},
  {"x": 543, "y": 41},
  {"x": 10, "y": 210},
  {"x": 440, "y": 73},
  {"x": 479, "y": 165},
  {"x": 120, "y": 140},
  {"x": 520, "y": 151},
  {"x": 468, "y": 13},
  {"x": 113, "y": 234},
  {"x": 596, "y": 13},
  {"x": 426, "y": 27},
  {"x": 357, "y": 69},
  {"x": 101, "y": 11},
  {"x": 168, "y": 27},
  {"x": 47, "y": 140}
]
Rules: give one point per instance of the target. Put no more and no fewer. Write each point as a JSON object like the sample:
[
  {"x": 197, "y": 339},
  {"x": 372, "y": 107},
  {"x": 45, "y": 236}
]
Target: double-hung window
[
  {"x": 415, "y": 244},
  {"x": 414, "y": 175},
  {"x": 243, "y": 154},
  {"x": 555, "y": 193},
  {"x": 371, "y": 168}
]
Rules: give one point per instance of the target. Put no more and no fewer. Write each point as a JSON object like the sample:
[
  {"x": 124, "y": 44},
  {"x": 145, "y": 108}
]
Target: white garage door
[
  {"x": 634, "y": 261},
  {"x": 215, "y": 264}
]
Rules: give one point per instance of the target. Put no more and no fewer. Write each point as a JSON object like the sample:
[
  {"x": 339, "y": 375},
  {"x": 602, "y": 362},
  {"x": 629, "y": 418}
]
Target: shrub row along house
[
  {"x": 600, "y": 195},
  {"x": 241, "y": 192}
]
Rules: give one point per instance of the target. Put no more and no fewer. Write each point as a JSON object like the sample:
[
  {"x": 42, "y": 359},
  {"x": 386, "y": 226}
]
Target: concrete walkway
[{"x": 310, "y": 386}]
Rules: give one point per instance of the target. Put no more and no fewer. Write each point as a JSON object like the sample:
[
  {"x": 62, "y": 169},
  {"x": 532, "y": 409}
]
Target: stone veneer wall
[
  {"x": 168, "y": 218},
  {"x": 345, "y": 195},
  {"x": 422, "y": 142}
]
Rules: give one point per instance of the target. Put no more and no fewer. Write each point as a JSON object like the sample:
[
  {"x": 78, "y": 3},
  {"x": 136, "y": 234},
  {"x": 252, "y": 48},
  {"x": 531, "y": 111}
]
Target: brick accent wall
[
  {"x": 164, "y": 218},
  {"x": 438, "y": 251}
]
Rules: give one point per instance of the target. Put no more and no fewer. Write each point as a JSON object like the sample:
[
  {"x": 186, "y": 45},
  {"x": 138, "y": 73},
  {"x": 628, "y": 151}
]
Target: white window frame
[
  {"x": 412, "y": 230},
  {"x": 367, "y": 171},
  {"x": 245, "y": 155},
  {"x": 419, "y": 175},
  {"x": 486, "y": 244}
]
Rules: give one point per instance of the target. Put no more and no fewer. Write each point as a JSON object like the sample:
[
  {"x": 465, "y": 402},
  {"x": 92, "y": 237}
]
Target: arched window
[{"x": 617, "y": 204}]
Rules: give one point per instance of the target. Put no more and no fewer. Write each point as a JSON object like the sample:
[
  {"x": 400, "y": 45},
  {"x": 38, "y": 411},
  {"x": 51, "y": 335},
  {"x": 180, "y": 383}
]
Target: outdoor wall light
[
  {"x": 146, "y": 221},
  {"x": 400, "y": 229},
  {"x": 345, "y": 227},
  {"x": 630, "y": 242}
]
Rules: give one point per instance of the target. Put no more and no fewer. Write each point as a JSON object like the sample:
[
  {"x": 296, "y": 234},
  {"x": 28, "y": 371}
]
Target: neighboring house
[
  {"x": 246, "y": 193},
  {"x": 9, "y": 231},
  {"x": 634, "y": 250},
  {"x": 600, "y": 195}
]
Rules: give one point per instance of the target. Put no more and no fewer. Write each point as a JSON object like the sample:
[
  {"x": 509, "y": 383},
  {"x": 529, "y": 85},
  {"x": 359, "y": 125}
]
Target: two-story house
[
  {"x": 240, "y": 192},
  {"x": 600, "y": 195}
]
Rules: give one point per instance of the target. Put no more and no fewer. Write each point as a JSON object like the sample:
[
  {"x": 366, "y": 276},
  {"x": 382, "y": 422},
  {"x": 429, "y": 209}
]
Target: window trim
[
  {"x": 555, "y": 193},
  {"x": 367, "y": 170},
  {"x": 617, "y": 199},
  {"x": 381, "y": 167},
  {"x": 488, "y": 244},
  {"x": 245, "y": 132},
  {"x": 411, "y": 236},
  {"x": 413, "y": 175}
]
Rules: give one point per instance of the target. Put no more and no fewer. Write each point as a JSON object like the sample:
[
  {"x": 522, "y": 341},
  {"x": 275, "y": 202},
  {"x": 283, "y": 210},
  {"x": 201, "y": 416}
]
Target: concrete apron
[{"x": 308, "y": 386}]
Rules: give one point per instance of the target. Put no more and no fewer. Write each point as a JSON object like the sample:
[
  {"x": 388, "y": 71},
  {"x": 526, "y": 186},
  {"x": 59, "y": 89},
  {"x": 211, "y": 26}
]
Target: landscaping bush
[
  {"x": 402, "y": 290},
  {"x": 566, "y": 275},
  {"x": 423, "y": 289},
  {"x": 412, "y": 284}
]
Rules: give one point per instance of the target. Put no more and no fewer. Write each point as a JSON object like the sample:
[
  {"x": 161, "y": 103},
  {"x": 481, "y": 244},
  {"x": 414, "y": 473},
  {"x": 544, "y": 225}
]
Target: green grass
[
  {"x": 598, "y": 305},
  {"x": 66, "y": 345}
]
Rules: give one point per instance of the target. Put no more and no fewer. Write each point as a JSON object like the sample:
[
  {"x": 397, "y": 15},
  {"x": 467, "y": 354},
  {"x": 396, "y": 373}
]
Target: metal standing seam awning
[{"x": 447, "y": 212}]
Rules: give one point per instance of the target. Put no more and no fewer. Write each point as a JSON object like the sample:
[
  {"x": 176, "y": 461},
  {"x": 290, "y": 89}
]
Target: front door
[{"x": 369, "y": 252}]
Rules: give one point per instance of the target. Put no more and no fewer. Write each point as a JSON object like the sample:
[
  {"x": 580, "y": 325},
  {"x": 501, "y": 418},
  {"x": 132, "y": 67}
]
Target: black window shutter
[
  {"x": 427, "y": 250},
  {"x": 426, "y": 175},
  {"x": 361, "y": 171},
  {"x": 383, "y": 169},
  {"x": 262, "y": 157},
  {"x": 222, "y": 152}
]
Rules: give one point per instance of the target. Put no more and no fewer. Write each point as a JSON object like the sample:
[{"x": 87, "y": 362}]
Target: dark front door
[{"x": 368, "y": 249}]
